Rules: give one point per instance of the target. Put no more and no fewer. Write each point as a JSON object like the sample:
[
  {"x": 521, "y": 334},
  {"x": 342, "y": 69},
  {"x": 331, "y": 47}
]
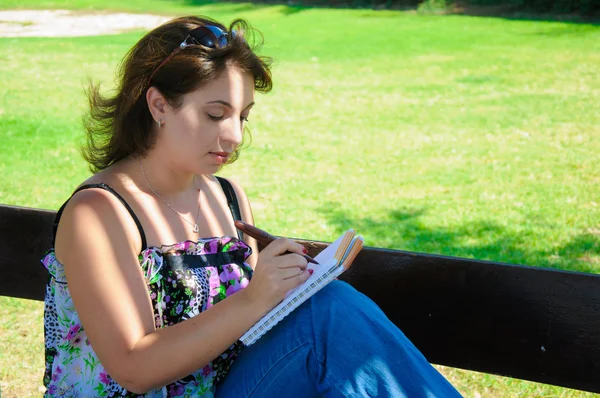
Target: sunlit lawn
[{"x": 472, "y": 137}]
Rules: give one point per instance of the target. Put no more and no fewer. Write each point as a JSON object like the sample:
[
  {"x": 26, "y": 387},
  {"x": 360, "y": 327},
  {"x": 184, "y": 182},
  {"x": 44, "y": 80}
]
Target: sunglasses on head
[{"x": 208, "y": 36}]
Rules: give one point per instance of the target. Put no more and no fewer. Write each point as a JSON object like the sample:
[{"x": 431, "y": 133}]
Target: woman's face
[{"x": 201, "y": 134}]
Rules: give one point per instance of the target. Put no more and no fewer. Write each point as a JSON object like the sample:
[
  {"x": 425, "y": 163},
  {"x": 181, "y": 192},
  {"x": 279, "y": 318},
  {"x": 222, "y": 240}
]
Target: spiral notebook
[{"x": 333, "y": 261}]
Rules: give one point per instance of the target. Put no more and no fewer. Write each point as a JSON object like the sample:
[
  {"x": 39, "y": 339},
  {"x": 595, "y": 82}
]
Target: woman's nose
[{"x": 234, "y": 131}]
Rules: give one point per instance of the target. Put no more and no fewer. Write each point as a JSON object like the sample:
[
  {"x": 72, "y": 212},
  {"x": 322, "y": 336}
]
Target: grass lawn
[{"x": 462, "y": 136}]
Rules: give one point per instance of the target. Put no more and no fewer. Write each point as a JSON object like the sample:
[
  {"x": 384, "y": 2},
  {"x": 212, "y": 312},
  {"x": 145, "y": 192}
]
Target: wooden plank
[
  {"x": 525, "y": 322},
  {"x": 25, "y": 235}
]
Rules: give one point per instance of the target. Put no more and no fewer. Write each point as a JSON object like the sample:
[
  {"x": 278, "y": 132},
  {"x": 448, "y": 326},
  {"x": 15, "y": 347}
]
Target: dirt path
[{"x": 62, "y": 23}]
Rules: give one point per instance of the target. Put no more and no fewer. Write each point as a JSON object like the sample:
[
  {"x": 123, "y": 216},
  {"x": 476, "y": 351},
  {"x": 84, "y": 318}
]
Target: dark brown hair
[{"x": 120, "y": 125}]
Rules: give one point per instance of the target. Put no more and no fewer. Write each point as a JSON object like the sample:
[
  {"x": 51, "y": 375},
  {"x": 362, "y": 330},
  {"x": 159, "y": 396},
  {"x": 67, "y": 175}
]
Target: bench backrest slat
[
  {"x": 525, "y": 322},
  {"x": 25, "y": 235}
]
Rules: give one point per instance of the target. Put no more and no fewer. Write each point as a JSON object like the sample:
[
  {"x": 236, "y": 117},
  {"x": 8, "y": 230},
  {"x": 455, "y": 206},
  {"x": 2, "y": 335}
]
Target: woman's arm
[{"x": 97, "y": 242}]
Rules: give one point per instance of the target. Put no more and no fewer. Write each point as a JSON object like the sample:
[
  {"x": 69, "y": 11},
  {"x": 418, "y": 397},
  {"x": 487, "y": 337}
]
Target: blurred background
[{"x": 458, "y": 128}]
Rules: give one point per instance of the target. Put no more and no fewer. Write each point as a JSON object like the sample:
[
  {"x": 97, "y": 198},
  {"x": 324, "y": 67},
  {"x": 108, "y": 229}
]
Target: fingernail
[
  {"x": 304, "y": 250},
  {"x": 310, "y": 271}
]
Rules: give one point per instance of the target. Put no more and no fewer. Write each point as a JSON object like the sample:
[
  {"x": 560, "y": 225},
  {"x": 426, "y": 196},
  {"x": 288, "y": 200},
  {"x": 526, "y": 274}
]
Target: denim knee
[
  {"x": 342, "y": 294},
  {"x": 338, "y": 290}
]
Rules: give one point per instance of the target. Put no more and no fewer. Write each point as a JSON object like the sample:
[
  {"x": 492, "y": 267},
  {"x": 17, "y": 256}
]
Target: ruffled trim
[
  {"x": 54, "y": 267},
  {"x": 151, "y": 259},
  {"x": 204, "y": 246}
]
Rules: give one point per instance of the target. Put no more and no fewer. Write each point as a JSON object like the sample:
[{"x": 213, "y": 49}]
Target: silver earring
[{"x": 159, "y": 123}]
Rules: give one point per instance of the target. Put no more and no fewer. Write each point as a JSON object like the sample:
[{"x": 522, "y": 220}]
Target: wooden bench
[{"x": 524, "y": 322}]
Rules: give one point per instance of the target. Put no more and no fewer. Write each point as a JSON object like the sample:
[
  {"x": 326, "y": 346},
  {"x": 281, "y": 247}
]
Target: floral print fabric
[{"x": 183, "y": 280}]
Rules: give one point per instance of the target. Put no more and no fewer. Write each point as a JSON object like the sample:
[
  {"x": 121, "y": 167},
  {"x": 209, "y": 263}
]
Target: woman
[{"x": 146, "y": 251}]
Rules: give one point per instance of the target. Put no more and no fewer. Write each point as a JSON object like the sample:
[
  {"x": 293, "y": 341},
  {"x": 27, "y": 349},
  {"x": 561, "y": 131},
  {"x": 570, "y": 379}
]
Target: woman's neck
[{"x": 161, "y": 177}]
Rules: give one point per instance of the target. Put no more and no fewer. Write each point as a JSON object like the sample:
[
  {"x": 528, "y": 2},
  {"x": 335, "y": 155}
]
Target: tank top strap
[
  {"x": 115, "y": 193},
  {"x": 232, "y": 202}
]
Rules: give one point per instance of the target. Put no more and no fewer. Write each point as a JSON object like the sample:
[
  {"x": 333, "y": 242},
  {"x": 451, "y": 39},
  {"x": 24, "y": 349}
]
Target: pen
[{"x": 263, "y": 236}]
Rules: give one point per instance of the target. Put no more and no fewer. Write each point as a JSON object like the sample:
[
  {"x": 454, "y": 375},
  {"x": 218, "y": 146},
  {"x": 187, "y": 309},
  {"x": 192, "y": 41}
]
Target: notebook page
[{"x": 352, "y": 252}]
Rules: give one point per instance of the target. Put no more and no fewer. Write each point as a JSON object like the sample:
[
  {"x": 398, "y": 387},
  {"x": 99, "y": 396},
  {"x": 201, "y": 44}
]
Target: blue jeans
[{"x": 337, "y": 344}]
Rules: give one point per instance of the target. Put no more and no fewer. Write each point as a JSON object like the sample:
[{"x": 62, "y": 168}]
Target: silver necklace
[{"x": 195, "y": 225}]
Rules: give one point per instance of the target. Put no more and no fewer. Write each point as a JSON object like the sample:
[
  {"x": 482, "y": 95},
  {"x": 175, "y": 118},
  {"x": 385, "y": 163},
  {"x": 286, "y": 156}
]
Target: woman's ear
[{"x": 157, "y": 104}]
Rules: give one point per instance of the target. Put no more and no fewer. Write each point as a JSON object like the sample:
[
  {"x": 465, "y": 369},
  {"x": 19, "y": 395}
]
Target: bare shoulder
[
  {"x": 115, "y": 176},
  {"x": 95, "y": 215}
]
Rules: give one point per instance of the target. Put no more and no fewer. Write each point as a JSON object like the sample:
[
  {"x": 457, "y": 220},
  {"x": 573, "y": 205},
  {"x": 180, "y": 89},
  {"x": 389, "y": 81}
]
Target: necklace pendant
[{"x": 196, "y": 229}]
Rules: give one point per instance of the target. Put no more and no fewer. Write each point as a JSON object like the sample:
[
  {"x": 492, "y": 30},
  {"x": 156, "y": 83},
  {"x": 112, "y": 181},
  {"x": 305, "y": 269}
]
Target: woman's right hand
[{"x": 277, "y": 272}]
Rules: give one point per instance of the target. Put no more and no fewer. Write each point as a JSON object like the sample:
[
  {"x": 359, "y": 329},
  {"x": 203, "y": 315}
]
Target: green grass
[{"x": 463, "y": 136}]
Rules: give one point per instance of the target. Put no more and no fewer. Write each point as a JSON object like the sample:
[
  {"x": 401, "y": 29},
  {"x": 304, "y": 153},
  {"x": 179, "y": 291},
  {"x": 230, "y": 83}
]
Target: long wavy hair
[{"x": 118, "y": 126}]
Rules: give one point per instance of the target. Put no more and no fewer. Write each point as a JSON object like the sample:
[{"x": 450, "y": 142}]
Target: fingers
[
  {"x": 282, "y": 245},
  {"x": 296, "y": 280},
  {"x": 286, "y": 254},
  {"x": 291, "y": 260},
  {"x": 289, "y": 273},
  {"x": 277, "y": 272}
]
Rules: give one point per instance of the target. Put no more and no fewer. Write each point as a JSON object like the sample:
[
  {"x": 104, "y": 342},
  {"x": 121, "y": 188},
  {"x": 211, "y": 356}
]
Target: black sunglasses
[{"x": 208, "y": 36}]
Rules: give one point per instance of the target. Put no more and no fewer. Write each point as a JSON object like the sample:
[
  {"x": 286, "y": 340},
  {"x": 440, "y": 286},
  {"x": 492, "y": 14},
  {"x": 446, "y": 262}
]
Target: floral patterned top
[{"x": 183, "y": 280}]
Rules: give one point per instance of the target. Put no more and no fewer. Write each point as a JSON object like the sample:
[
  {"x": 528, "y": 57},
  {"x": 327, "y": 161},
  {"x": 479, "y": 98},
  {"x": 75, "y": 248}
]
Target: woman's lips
[{"x": 221, "y": 157}]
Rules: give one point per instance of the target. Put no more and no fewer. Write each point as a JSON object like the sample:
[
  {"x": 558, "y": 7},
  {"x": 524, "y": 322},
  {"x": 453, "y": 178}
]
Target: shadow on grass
[
  {"x": 233, "y": 6},
  {"x": 403, "y": 230},
  {"x": 510, "y": 12},
  {"x": 497, "y": 11}
]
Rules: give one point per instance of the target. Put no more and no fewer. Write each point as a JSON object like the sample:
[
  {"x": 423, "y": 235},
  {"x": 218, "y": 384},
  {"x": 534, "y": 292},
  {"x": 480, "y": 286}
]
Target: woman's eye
[{"x": 214, "y": 118}]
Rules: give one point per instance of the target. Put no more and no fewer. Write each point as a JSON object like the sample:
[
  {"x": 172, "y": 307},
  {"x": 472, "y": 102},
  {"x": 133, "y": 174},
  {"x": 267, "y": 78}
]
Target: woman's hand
[{"x": 276, "y": 273}]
